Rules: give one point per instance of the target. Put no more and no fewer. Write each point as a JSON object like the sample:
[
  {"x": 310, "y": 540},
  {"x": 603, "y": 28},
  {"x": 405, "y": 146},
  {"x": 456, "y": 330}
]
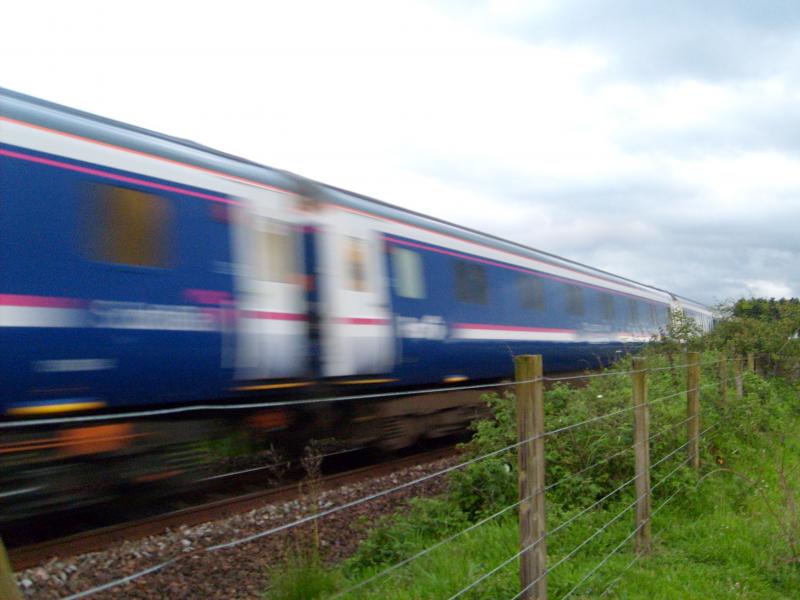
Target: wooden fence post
[
  {"x": 723, "y": 381},
  {"x": 737, "y": 376},
  {"x": 641, "y": 440},
  {"x": 751, "y": 362},
  {"x": 530, "y": 426},
  {"x": 693, "y": 407},
  {"x": 8, "y": 585}
]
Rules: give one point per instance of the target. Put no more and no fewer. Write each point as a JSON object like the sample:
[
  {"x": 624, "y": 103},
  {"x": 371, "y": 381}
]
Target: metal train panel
[
  {"x": 355, "y": 312},
  {"x": 272, "y": 327},
  {"x": 246, "y": 303},
  {"x": 139, "y": 270},
  {"x": 96, "y": 315},
  {"x": 459, "y": 316}
]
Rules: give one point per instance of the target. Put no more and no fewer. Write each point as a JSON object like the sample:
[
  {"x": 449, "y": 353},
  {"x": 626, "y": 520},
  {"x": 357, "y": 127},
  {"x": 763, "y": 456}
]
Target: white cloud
[
  {"x": 439, "y": 109},
  {"x": 769, "y": 289}
]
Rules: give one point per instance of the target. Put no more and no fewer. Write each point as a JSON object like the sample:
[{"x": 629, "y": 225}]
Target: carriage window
[
  {"x": 127, "y": 227},
  {"x": 409, "y": 281},
  {"x": 574, "y": 300},
  {"x": 633, "y": 310},
  {"x": 471, "y": 283},
  {"x": 653, "y": 314},
  {"x": 276, "y": 255},
  {"x": 607, "y": 304},
  {"x": 356, "y": 264},
  {"x": 531, "y": 292}
]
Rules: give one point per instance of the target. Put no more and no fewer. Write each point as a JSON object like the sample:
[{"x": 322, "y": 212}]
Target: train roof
[
  {"x": 443, "y": 226},
  {"x": 76, "y": 122},
  {"x": 693, "y": 305}
]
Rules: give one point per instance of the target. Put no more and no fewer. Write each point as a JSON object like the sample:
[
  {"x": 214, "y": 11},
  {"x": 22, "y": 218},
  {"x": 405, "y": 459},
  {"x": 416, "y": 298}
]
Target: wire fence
[
  {"x": 229, "y": 407},
  {"x": 163, "y": 412},
  {"x": 641, "y": 525},
  {"x": 277, "y": 466}
]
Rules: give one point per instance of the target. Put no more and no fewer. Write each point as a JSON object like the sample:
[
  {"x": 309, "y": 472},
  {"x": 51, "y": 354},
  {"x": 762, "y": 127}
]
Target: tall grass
[{"x": 733, "y": 534}]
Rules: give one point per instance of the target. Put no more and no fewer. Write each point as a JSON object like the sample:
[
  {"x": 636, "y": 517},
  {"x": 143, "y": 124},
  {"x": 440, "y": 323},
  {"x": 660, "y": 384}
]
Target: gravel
[{"x": 240, "y": 572}]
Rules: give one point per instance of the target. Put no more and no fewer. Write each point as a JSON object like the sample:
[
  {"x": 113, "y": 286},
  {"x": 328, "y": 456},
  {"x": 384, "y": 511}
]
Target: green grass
[
  {"x": 718, "y": 542},
  {"x": 721, "y": 538},
  {"x": 301, "y": 579},
  {"x": 722, "y": 541}
]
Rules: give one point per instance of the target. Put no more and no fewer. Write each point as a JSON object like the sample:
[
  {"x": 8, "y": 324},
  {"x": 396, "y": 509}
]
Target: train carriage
[{"x": 139, "y": 271}]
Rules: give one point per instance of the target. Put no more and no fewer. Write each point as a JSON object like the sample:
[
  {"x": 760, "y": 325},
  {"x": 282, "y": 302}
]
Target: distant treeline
[{"x": 768, "y": 309}]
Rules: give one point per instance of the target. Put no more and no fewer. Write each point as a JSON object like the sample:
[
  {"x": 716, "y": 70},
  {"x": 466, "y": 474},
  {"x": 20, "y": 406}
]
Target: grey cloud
[
  {"x": 692, "y": 268},
  {"x": 653, "y": 227},
  {"x": 753, "y": 123},
  {"x": 708, "y": 261},
  {"x": 630, "y": 193},
  {"x": 650, "y": 232},
  {"x": 711, "y": 40}
]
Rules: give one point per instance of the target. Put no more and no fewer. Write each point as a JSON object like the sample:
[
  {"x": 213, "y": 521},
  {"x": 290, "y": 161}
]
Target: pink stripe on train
[
  {"x": 362, "y": 321},
  {"x": 273, "y": 316},
  {"x": 114, "y": 176},
  {"x": 487, "y": 326},
  {"x": 41, "y": 301}
]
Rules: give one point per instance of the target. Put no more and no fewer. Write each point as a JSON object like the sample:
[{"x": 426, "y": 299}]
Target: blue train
[{"x": 139, "y": 271}]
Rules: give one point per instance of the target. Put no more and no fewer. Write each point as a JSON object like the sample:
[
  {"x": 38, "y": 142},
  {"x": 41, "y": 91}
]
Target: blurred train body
[{"x": 142, "y": 272}]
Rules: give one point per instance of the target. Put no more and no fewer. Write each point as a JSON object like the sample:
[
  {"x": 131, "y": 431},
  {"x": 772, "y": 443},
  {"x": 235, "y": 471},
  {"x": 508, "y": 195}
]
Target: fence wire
[
  {"x": 286, "y": 463},
  {"x": 605, "y": 559},
  {"x": 304, "y": 520},
  {"x": 585, "y": 510},
  {"x": 612, "y": 414},
  {"x": 512, "y": 506},
  {"x": 679, "y": 448},
  {"x": 596, "y": 533},
  {"x": 301, "y": 402},
  {"x": 588, "y": 376},
  {"x": 575, "y": 550},
  {"x": 674, "y": 426},
  {"x": 627, "y": 538},
  {"x": 496, "y": 515},
  {"x": 321, "y": 514},
  {"x": 638, "y": 554},
  {"x": 250, "y": 405}
]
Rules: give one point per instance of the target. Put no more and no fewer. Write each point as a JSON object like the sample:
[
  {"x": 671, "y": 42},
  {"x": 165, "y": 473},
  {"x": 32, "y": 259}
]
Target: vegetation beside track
[{"x": 733, "y": 531}]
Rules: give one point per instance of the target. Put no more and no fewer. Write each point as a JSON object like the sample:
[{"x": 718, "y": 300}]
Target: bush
[
  {"x": 592, "y": 456},
  {"x": 397, "y": 537},
  {"x": 302, "y": 579}
]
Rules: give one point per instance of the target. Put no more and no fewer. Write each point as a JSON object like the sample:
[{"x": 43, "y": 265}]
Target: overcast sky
[{"x": 657, "y": 140}]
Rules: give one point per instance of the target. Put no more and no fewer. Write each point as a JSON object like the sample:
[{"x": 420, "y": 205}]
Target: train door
[
  {"x": 357, "y": 335},
  {"x": 272, "y": 325}
]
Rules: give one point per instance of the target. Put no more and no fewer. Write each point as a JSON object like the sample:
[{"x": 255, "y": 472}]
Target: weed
[{"x": 302, "y": 579}]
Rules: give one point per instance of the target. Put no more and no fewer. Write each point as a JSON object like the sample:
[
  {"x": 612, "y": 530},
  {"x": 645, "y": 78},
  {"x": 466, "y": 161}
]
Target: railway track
[
  {"x": 26, "y": 556},
  {"x": 222, "y": 495}
]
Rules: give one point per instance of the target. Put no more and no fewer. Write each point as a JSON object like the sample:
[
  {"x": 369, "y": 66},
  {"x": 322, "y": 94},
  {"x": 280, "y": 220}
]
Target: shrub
[
  {"x": 302, "y": 579},
  {"x": 397, "y": 537}
]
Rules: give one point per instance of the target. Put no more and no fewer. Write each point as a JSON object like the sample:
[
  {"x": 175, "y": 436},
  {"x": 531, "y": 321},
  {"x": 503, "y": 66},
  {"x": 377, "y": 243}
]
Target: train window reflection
[
  {"x": 653, "y": 314},
  {"x": 127, "y": 227},
  {"x": 607, "y": 304},
  {"x": 409, "y": 280},
  {"x": 356, "y": 264},
  {"x": 277, "y": 255},
  {"x": 575, "y": 300},
  {"x": 471, "y": 285},
  {"x": 633, "y": 310},
  {"x": 531, "y": 291}
]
